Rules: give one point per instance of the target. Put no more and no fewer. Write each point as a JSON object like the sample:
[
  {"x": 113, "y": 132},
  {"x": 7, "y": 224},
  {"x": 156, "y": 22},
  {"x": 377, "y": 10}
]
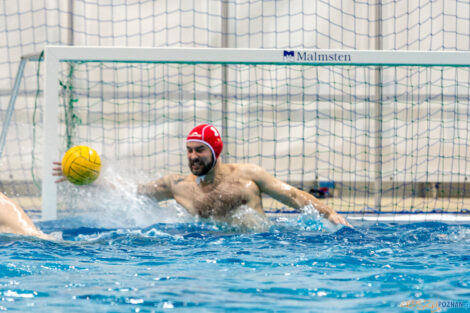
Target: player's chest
[{"x": 220, "y": 199}]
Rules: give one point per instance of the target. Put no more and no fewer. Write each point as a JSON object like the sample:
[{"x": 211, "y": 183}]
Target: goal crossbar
[{"x": 258, "y": 56}]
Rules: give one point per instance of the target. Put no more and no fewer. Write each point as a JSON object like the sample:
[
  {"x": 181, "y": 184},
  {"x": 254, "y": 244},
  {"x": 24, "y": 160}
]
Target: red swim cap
[{"x": 208, "y": 135}]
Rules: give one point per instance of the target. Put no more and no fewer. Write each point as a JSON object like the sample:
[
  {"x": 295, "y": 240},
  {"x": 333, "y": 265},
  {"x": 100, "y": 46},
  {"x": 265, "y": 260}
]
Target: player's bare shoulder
[
  {"x": 179, "y": 182},
  {"x": 257, "y": 174},
  {"x": 249, "y": 171},
  {"x": 176, "y": 179},
  {"x": 162, "y": 188}
]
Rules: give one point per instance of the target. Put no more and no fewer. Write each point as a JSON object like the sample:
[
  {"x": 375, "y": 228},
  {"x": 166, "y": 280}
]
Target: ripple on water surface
[{"x": 295, "y": 264}]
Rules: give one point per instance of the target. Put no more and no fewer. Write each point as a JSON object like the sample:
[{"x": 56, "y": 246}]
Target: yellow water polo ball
[{"x": 81, "y": 165}]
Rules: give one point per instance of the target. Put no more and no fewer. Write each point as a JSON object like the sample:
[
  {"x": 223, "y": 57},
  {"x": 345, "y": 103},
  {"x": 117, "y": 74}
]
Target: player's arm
[
  {"x": 160, "y": 189},
  {"x": 290, "y": 195}
]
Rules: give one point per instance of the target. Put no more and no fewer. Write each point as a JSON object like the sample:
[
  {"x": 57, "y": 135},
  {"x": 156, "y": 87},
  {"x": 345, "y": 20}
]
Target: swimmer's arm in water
[
  {"x": 290, "y": 195},
  {"x": 160, "y": 189}
]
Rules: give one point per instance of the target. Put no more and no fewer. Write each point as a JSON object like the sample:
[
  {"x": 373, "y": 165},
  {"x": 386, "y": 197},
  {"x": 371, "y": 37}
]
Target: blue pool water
[{"x": 293, "y": 266}]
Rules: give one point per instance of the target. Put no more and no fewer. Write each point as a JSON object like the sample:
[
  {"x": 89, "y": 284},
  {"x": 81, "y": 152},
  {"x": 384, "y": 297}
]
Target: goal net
[{"x": 370, "y": 132}]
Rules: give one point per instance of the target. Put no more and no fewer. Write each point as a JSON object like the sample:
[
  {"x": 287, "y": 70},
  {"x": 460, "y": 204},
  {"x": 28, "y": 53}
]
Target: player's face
[{"x": 199, "y": 158}]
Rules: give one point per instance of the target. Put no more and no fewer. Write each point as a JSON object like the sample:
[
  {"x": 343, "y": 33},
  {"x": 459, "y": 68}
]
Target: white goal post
[{"x": 54, "y": 55}]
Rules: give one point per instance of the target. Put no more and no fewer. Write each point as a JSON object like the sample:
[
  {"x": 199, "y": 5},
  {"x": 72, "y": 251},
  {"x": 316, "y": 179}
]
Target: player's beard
[{"x": 202, "y": 170}]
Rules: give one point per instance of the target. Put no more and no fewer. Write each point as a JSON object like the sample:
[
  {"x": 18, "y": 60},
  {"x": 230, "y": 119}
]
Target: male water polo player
[
  {"x": 217, "y": 190},
  {"x": 214, "y": 189}
]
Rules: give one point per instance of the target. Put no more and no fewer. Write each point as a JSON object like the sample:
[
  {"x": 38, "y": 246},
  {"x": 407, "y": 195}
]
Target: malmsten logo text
[{"x": 298, "y": 56}]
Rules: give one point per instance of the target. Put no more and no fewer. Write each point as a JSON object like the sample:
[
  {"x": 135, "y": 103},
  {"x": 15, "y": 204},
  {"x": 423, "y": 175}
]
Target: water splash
[
  {"x": 311, "y": 219},
  {"x": 113, "y": 202},
  {"x": 245, "y": 219}
]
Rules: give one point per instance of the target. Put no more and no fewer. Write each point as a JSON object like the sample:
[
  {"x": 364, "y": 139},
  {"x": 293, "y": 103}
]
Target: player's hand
[
  {"x": 336, "y": 218},
  {"x": 57, "y": 171}
]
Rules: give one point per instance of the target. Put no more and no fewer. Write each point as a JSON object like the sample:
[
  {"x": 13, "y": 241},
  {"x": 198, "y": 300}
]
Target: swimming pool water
[{"x": 294, "y": 266}]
